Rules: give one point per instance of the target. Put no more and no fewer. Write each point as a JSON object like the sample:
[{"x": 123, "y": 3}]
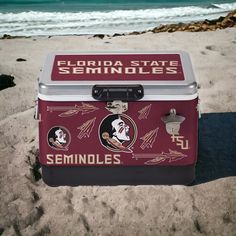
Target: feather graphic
[{"x": 115, "y": 143}]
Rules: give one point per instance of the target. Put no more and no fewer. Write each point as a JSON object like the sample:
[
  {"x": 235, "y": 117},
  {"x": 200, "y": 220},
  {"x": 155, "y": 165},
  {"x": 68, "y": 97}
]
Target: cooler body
[{"x": 115, "y": 130}]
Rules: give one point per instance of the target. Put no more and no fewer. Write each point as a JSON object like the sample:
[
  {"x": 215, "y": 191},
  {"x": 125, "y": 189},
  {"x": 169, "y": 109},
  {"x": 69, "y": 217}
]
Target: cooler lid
[{"x": 162, "y": 75}]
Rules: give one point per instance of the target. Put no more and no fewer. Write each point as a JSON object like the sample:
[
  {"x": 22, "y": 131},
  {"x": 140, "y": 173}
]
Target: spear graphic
[
  {"x": 86, "y": 128},
  {"x": 85, "y": 108},
  {"x": 159, "y": 158},
  {"x": 172, "y": 156},
  {"x": 149, "y": 138}
]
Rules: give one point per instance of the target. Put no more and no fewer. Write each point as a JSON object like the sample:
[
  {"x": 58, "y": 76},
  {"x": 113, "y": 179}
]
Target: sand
[{"x": 29, "y": 207}]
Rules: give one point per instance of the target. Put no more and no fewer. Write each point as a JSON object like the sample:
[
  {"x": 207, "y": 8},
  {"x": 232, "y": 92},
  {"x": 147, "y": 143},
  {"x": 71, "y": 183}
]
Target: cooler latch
[{"x": 117, "y": 92}]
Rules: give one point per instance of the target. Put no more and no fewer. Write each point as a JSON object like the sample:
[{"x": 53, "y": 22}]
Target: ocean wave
[{"x": 54, "y": 23}]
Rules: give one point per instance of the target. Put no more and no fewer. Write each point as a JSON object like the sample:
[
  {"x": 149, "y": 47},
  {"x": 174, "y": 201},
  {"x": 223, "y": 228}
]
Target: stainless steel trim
[
  {"x": 87, "y": 89},
  {"x": 185, "y": 87},
  {"x": 90, "y": 98}
]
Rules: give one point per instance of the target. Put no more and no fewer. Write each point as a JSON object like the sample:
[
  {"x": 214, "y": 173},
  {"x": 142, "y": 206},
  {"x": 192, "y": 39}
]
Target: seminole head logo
[
  {"x": 59, "y": 138},
  {"x": 118, "y": 133}
]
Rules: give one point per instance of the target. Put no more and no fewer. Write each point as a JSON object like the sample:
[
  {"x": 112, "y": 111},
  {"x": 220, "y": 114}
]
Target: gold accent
[
  {"x": 86, "y": 128},
  {"x": 179, "y": 140},
  {"x": 85, "y": 108},
  {"x": 149, "y": 138},
  {"x": 117, "y": 107},
  {"x": 144, "y": 112}
]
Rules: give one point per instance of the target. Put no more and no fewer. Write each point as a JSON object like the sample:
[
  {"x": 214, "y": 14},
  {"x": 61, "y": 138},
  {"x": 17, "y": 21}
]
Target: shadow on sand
[{"x": 217, "y": 147}]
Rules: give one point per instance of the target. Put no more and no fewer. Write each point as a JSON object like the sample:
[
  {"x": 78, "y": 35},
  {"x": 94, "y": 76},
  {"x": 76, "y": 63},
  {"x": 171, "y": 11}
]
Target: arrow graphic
[
  {"x": 149, "y": 138},
  {"x": 85, "y": 108},
  {"x": 172, "y": 156},
  {"x": 86, "y": 128},
  {"x": 144, "y": 112}
]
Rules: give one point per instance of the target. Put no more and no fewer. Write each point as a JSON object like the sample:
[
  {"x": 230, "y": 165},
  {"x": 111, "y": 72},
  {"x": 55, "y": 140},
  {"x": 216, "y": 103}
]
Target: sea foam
[{"x": 106, "y": 22}]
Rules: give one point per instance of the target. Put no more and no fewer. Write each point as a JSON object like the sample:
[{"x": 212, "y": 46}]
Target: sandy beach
[{"x": 29, "y": 207}]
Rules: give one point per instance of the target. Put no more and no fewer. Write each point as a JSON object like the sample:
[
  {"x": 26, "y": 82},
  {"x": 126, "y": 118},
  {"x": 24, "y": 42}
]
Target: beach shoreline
[{"x": 223, "y": 22}]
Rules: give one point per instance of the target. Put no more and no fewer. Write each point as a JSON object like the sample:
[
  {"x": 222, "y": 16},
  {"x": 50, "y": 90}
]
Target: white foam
[{"x": 53, "y": 23}]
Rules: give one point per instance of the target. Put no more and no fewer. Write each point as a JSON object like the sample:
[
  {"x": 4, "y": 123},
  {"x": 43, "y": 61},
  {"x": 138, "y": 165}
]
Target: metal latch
[{"x": 117, "y": 107}]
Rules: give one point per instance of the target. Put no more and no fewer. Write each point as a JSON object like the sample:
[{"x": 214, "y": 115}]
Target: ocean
[{"x": 71, "y": 17}]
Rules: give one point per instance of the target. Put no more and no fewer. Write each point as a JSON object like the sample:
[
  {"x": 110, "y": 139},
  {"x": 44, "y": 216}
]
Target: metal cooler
[{"x": 117, "y": 118}]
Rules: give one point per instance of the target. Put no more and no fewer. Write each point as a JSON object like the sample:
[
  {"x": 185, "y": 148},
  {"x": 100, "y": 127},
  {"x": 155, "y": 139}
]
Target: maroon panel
[
  {"x": 86, "y": 133},
  {"x": 117, "y": 67}
]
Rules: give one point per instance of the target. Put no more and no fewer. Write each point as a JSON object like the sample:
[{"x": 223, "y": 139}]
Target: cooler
[{"x": 112, "y": 118}]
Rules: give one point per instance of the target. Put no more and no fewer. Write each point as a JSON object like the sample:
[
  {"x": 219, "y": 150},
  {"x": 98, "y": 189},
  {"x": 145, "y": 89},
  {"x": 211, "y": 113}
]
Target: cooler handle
[{"x": 117, "y": 92}]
